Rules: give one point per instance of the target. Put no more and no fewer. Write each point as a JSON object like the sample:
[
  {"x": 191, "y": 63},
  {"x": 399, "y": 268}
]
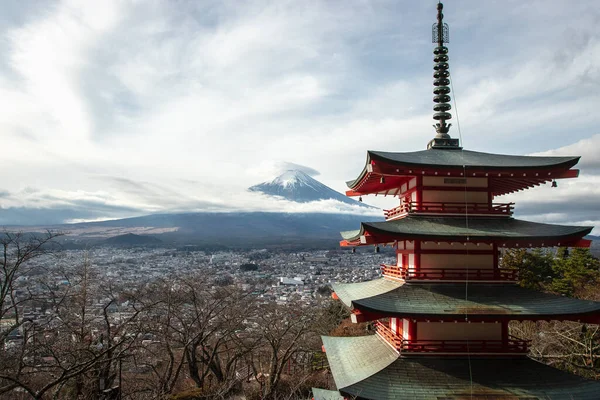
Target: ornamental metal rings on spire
[
  {"x": 439, "y": 30},
  {"x": 441, "y": 84},
  {"x": 441, "y": 75}
]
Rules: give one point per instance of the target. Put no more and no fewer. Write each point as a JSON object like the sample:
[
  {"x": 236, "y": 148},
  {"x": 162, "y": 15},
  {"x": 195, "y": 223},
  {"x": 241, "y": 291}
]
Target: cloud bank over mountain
[{"x": 57, "y": 207}]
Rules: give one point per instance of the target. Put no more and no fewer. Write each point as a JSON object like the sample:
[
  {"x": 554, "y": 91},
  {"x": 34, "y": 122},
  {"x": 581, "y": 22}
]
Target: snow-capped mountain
[{"x": 297, "y": 186}]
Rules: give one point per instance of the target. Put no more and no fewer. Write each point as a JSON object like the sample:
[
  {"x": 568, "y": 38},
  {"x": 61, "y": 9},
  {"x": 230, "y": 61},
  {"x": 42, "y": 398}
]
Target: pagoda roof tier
[
  {"x": 368, "y": 368},
  {"x": 381, "y": 298},
  {"x": 508, "y": 232},
  {"x": 507, "y": 173}
]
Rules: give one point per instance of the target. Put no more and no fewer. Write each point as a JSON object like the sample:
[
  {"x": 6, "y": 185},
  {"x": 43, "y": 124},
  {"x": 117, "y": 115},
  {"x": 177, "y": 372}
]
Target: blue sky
[{"x": 121, "y": 108}]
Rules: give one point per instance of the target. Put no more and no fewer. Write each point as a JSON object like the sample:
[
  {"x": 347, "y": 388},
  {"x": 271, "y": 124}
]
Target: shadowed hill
[{"x": 131, "y": 239}]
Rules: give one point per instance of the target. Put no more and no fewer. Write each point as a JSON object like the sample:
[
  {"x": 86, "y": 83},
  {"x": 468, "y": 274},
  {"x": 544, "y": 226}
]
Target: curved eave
[
  {"x": 506, "y": 232},
  {"x": 507, "y": 173},
  {"x": 353, "y": 184},
  {"x": 384, "y": 298},
  {"x": 348, "y": 292},
  {"x": 367, "y": 368},
  {"x": 355, "y": 359},
  {"x": 352, "y": 235},
  {"x": 472, "y": 160}
]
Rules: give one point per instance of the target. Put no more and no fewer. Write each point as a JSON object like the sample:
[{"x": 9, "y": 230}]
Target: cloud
[
  {"x": 269, "y": 169},
  {"x": 573, "y": 202},
  {"x": 586, "y": 148},
  {"x": 148, "y": 107},
  {"x": 35, "y": 206},
  {"x": 283, "y": 166},
  {"x": 49, "y": 207}
]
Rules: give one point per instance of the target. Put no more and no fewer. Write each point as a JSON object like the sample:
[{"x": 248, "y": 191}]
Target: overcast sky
[{"x": 121, "y": 108}]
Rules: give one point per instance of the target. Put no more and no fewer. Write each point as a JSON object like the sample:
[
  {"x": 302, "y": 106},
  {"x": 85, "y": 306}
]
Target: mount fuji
[
  {"x": 297, "y": 186},
  {"x": 237, "y": 229}
]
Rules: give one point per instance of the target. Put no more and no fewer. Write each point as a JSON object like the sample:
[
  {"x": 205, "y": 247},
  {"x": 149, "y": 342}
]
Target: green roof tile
[
  {"x": 448, "y": 377},
  {"x": 369, "y": 355},
  {"x": 470, "y": 160},
  {"x": 475, "y": 228},
  {"x": 349, "y": 292},
  {"x": 450, "y": 299}
]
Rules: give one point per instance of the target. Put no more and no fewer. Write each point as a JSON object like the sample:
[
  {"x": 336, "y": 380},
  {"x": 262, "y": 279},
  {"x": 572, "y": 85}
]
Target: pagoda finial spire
[{"x": 441, "y": 90}]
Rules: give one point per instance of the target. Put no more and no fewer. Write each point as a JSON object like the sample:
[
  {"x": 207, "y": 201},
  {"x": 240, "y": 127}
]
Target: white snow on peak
[
  {"x": 293, "y": 177},
  {"x": 299, "y": 187}
]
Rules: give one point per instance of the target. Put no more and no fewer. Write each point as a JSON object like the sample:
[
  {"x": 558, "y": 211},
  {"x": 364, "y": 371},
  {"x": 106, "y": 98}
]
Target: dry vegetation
[
  {"x": 181, "y": 338},
  {"x": 572, "y": 346}
]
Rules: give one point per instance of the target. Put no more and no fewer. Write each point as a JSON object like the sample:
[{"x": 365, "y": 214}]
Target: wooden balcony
[
  {"x": 392, "y": 338},
  {"x": 512, "y": 345},
  {"x": 451, "y": 274},
  {"x": 502, "y": 209}
]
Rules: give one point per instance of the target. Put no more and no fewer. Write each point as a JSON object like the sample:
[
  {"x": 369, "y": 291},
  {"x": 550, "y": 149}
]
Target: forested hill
[{"x": 131, "y": 239}]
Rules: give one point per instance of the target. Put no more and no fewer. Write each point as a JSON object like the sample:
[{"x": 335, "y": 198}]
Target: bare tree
[
  {"x": 213, "y": 322},
  {"x": 197, "y": 330},
  {"x": 75, "y": 349},
  {"x": 159, "y": 356},
  {"x": 18, "y": 249},
  {"x": 169, "y": 335},
  {"x": 285, "y": 331},
  {"x": 567, "y": 345}
]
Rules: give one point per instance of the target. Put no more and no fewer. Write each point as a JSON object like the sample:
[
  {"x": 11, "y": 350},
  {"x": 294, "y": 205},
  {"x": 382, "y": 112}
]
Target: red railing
[
  {"x": 389, "y": 335},
  {"x": 449, "y": 208},
  {"x": 512, "y": 345},
  {"x": 393, "y": 271},
  {"x": 451, "y": 274},
  {"x": 395, "y": 212}
]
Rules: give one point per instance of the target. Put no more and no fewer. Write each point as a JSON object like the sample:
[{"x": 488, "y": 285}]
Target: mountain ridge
[
  {"x": 232, "y": 230},
  {"x": 131, "y": 239}
]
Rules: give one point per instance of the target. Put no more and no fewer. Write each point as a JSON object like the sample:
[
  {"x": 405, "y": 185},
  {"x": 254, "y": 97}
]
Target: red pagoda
[{"x": 442, "y": 311}]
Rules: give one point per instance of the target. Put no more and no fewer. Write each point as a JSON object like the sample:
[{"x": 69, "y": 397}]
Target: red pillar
[
  {"x": 419, "y": 187},
  {"x": 412, "y": 330},
  {"x": 417, "y": 252}
]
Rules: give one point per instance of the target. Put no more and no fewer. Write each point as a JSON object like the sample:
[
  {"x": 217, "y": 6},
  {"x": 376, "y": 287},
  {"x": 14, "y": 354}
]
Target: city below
[{"x": 302, "y": 278}]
